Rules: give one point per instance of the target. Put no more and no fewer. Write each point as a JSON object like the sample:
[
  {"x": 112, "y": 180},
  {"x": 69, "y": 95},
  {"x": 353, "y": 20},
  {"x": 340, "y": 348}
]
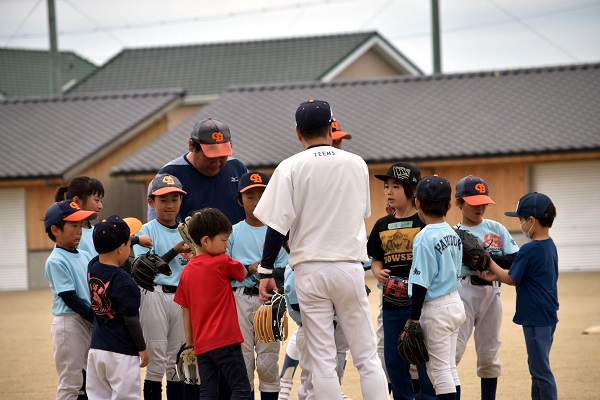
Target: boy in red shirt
[{"x": 209, "y": 312}]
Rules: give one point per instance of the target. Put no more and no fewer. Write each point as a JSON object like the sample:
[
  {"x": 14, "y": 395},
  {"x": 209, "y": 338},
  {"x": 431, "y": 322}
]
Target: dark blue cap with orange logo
[
  {"x": 251, "y": 180},
  {"x": 163, "y": 184},
  {"x": 434, "y": 188},
  {"x": 474, "y": 191},
  {"x": 214, "y": 137},
  {"x": 66, "y": 210},
  {"x": 313, "y": 114}
]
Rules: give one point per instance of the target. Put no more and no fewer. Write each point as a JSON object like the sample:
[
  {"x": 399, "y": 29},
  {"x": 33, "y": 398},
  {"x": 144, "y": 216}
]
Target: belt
[
  {"x": 249, "y": 291},
  {"x": 167, "y": 288},
  {"x": 477, "y": 281}
]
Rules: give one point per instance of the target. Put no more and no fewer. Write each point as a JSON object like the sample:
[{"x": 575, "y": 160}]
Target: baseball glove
[
  {"x": 413, "y": 349},
  {"x": 474, "y": 255},
  {"x": 187, "y": 366},
  {"x": 395, "y": 291},
  {"x": 183, "y": 231},
  {"x": 145, "y": 268},
  {"x": 270, "y": 320}
]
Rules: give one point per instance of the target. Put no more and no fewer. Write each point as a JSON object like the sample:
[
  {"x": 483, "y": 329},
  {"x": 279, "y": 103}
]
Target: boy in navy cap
[
  {"x": 245, "y": 245},
  {"x": 118, "y": 348},
  {"x": 535, "y": 273},
  {"x": 66, "y": 271},
  {"x": 433, "y": 285}
]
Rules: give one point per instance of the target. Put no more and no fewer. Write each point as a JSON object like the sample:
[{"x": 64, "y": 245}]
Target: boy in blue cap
[
  {"x": 535, "y": 274},
  {"x": 118, "y": 348},
  {"x": 66, "y": 271}
]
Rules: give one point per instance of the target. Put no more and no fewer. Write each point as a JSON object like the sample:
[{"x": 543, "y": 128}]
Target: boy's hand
[
  {"x": 143, "y": 359},
  {"x": 266, "y": 289},
  {"x": 488, "y": 276},
  {"x": 145, "y": 241},
  {"x": 253, "y": 268},
  {"x": 182, "y": 248},
  {"x": 382, "y": 275}
]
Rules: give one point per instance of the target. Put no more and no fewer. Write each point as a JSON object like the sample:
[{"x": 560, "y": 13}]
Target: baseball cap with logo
[
  {"x": 163, "y": 184},
  {"x": 251, "y": 180},
  {"x": 434, "y": 188},
  {"x": 473, "y": 190},
  {"x": 66, "y": 210},
  {"x": 336, "y": 131},
  {"x": 214, "y": 137},
  {"x": 313, "y": 114},
  {"x": 531, "y": 205},
  {"x": 114, "y": 231},
  {"x": 403, "y": 171}
]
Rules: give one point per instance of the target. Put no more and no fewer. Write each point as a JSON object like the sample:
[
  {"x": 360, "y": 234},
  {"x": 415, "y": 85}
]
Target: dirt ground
[{"x": 27, "y": 367}]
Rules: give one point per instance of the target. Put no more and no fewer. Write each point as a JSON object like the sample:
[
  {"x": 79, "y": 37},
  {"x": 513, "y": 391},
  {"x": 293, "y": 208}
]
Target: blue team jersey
[
  {"x": 87, "y": 242},
  {"x": 535, "y": 271},
  {"x": 246, "y": 246},
  {"x": 163, "y": 240},
  {"x": 67, "y": 271},
  {"x": 114, "y": 296},
  {"x": 437, "y": 259},
  {"x": 219, "y": 191},
  {"x": 494, "y": 237}
]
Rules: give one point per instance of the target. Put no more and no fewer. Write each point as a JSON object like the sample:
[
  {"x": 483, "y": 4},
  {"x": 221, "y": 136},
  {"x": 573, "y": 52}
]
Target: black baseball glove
[
  {"x": 474, "y": 255},
  {"x": 413, "y": 349},
  {"x": 187, "y": 366},
  {"x": 145, "y": 268}
]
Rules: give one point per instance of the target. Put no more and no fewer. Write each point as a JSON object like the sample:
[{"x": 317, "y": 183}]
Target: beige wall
[{"x": 369, "y": 65}]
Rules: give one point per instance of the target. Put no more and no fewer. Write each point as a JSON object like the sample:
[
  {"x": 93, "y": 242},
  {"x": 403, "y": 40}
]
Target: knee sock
[
  {"x": 152, "y": 390},
  {"x": 416, "y": 385},
  {"x": 269, "y": 395},
  {"x": 289, "y": 368},
  {"x": 174, "y": 390},
  {"x": 458, "y": 392},
  {"x": 82, "y": 393},
  {"x": 488, "y": 388},
  {"x": 446, "y": 396}
]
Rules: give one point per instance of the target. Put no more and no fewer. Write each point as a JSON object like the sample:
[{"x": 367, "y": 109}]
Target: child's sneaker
[
  {"x": 286, "y": 388},
  {"x": 344, "y": 397}
]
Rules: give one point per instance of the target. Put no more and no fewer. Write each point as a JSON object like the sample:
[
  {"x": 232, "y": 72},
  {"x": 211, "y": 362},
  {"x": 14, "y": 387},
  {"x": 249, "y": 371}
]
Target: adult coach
[
  {"x": 328, "y": 246},
  {"x": 207, "y": 172}
]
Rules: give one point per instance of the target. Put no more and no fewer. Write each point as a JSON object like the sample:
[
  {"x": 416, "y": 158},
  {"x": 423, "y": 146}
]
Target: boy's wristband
[{"x": 264, "y": 272}]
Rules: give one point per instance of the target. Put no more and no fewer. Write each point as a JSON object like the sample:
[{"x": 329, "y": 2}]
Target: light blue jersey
[
  {"x": 163, "y": 240},
  {"x": 67, "y": 271},
  {"x": 246, "y": 246},
  {"x": 494, "y": 237},
  {"x": 291, "y": 297},
  {"x": 87, "y": 242},
  {"x": 437, "y": 259}
]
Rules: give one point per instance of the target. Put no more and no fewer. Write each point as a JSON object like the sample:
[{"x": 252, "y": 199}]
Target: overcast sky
[{"x": 477, "y": 35}]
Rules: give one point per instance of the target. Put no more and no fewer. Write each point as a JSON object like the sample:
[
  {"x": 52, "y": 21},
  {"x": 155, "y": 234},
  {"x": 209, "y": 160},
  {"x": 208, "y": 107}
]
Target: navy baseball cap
[
  {"x": 403, "y": 171},
  {"x": 66, "y": 210},
  {"x": 531, "y": 205},
  {"x": 163, "y": 184},
  {"x": 434, "y": 188},
  {"x": 473, "y": 190},
  {"x": 112, "y": 232},
  {"x": 313, "y": 114},
  {"x": 214, "y": 137},
  {"x": 336, "y": 131},
  {"x": 251, "y": 180}
]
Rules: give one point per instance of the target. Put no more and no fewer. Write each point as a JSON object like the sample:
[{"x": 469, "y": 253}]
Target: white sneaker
[
  {"x": 344, "y": 397},
  {"x": 286, "y": 388}
]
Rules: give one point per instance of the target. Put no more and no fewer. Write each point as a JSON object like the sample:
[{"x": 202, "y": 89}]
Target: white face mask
[{"x": 526, "y": 234}]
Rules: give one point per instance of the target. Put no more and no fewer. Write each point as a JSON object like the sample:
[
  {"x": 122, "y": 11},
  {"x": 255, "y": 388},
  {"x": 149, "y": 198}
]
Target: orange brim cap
[
  {"x": 338, "y": 135},
  {"x": 81, "y": 216},
  {"x": 134, "y": 225},
  {"x": 166, "y": 190},
  {"x": 478, "y": 200},
  {"x": 217, "y": 150}
]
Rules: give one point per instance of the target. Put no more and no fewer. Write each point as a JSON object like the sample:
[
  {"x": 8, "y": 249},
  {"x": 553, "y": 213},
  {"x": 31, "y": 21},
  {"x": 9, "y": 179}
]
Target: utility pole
[
  {"x": 435, "y": 37},
  {"x": 55, "y": 86}
]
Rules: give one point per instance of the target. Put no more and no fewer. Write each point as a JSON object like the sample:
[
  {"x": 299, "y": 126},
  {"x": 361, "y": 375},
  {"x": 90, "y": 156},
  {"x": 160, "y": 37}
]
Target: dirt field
[{"x": 27, "y": 368}]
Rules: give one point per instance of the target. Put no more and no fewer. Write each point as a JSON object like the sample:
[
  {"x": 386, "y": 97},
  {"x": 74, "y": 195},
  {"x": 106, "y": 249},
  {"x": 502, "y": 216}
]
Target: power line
[
  {"x": 84, "y": 15},
  {"x": 37, "y": 3}
]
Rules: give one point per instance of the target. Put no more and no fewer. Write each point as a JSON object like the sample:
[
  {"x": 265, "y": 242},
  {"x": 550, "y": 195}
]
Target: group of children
[{"x": 105, "y": 328}]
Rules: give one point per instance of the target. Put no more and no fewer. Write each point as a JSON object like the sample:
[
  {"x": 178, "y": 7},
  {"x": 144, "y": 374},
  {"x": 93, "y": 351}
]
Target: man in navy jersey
[{"x": 207, "y": 172}]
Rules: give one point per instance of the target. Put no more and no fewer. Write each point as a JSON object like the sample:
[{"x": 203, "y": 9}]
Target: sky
[{"x": 476, "y": 35}]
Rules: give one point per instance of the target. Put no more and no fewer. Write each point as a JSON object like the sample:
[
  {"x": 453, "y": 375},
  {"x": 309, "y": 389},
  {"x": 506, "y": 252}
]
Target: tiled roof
[
  {"x": 488, "y": 114},
  {"x": 208, "y": 69},
  {"x": 47, "y": 136},
  {"x": 27, "y": 72}
]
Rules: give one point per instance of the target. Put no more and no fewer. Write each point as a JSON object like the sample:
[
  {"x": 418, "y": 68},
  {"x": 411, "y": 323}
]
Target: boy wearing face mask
[{"x": 480, "y": 297}]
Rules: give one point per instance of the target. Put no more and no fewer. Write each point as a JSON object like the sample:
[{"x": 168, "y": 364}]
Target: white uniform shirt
[{"x": 321, "y": 196}]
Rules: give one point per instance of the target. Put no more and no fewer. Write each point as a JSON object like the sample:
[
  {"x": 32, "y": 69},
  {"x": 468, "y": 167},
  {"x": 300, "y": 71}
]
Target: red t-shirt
[{"x": 205, "y": 289}]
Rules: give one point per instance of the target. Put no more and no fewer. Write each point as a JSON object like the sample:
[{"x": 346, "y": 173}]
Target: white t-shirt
[{"x": 321, "y": 196}]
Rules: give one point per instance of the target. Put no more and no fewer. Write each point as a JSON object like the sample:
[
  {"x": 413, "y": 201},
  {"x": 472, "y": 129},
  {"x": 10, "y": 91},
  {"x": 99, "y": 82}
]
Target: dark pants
[
  {"x": 398, "y": 369},
  {"x": 229, "y": 362},
  {"x": 538, "y": 341}
]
